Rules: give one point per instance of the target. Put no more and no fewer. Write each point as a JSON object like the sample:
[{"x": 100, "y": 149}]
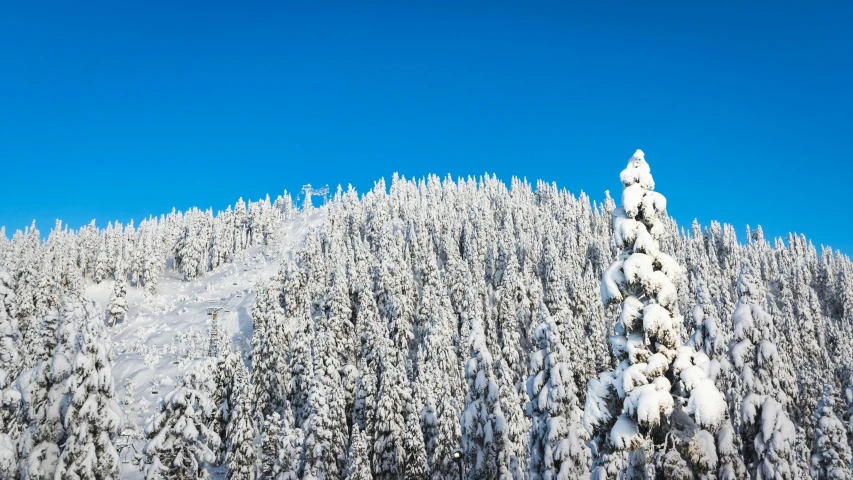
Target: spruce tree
[
  {"x": 225, "y": 381},
  {"x": 483, "y": 423},
  {"x": 358, "y": 459},
  {"x": 629, "y": 409},
  {"x": 557, "y": 435},
  {"x": 241, "y": 458},
  {"x": 91, "y": 415},
  {"x": 324, "y": 450},
  {"x": 831, "y": 458},
  {"x": 9, "y": 333},
  {"x": 767, "y": 434},
  {"x": 271, "y": 433},
  {"x": 389, "y": 454},
  {"x": 117, "y": 307},
  {"x": 416, "y": 458},
  {"x": 180, "y": 443}
]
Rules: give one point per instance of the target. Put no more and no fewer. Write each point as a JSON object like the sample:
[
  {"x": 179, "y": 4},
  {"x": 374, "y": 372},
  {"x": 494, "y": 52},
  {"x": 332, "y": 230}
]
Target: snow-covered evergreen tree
[
  {"x": 483, "y": 424},
  {"x": 180, "y": 443},
  {"x": 240, "y": 435},
  {"x": 831, "y": 459},
  {"x": 9, "y": 334},
  {"x": 9, "y": 368},
  {"x": 416, "y": 458},
  {"x": 767, "y": 434},
  {"x": 91, "y": 414},
  {"x": 389, "y": 455},
  {"x": 44, "y": 395},
  {"x": 324, "y": 450},
  {"x": 358, "y": 459},
  {"x": 290, "y": 448},
  {"x": 117, "y": 307},
  {"x": 557, "y": 435},
  {"x": 225, "y": 380},
  {"x": 630, "y": 409},
  {"x": 271, "y": 433}
]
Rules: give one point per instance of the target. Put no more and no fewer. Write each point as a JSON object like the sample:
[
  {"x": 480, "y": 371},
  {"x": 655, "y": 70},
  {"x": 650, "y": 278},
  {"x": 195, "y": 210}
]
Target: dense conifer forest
[{"x": 510, "y": 331}]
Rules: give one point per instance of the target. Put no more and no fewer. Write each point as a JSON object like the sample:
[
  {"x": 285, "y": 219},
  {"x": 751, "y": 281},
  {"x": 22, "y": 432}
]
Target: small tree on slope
[
  {"x": 831, "y": 460},
  {"x": 117, "y": 307}
]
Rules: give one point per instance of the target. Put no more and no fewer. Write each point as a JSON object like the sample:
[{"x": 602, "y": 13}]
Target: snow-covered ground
[{"x": 163, "y": 336}]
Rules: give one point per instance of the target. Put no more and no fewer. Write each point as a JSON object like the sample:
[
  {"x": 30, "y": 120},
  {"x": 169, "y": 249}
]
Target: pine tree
[
  {"x": 358, "y": 459},
  {"x": 628, "y": 409},
  {"x": 483, "y": 424},
  {"x": 271, "y": 433},
  {"x": 44, "y": 396},
  {"x": 9, "y": 370},
  {"x": 240, "y": 434},
  {"x": 767, "y": 434},
  {"x": 225, "y": 377},
  {"x": 416, "y": 458},
  {"x": 324, "y": 450},
  {"x": 707, "y": 336},
  {"x": 92, "y": 415},
  {"x": 290, "y": 448},
  {"x": 831, "y": 460},
  {"x": 117, "y": 307},
  {"x": 9, "y": 334},
  {"x": 848, "y": 397},
  {"x": 180, "y": 444},
  {"x": 389, "y": 454},
  {"x": 557, "y": 434}
]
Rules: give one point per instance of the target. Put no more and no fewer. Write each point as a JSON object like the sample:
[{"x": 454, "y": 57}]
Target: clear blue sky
[{"x": 117, "y": 110}]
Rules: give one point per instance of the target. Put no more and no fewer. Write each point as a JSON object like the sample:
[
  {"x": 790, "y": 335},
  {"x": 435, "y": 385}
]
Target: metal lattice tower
[{"x": 307, "y": 190}]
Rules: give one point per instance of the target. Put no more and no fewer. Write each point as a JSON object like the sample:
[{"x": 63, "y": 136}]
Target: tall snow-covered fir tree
[
  {"x": 324, "y": 451},
  {"x": 271, "y": 433},
  {"x": 641, "y": 427},
  {"x": 9, "y": 333},
  {"x": 389, "y": 431},
  {"x": 44, "y": 395},
  {"x": 225, "y": 393}
]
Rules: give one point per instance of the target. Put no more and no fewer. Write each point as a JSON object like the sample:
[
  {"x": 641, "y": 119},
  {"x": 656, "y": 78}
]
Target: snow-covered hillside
[
  {"x": 429, "y": 329},
  {"x": 165, "y": 334}
]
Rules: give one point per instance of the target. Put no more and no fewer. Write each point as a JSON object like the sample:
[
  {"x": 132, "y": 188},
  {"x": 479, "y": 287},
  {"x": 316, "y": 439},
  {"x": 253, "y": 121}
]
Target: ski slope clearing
[{"x": 164, "y": 335}]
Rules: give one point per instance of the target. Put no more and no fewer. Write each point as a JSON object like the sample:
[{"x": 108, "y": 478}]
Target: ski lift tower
[{"x": 308, "y": 191}]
